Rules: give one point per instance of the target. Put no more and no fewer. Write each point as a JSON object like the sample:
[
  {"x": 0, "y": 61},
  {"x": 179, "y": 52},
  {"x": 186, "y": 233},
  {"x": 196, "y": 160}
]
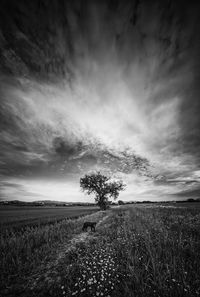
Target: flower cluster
[{"x": 98, "y": 274}]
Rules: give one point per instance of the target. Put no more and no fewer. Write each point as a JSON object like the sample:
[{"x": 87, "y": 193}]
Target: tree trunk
[{"x": 103, "y": 203}]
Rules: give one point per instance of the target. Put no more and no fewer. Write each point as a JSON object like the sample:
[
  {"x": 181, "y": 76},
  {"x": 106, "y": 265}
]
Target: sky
[{"x": 109, "y": 86}]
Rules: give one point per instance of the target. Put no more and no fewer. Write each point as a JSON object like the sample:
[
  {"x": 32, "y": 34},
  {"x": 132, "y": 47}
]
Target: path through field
[
  {"x": 49, "y": 272},
  {"x": 135, "y": 251},
  {"x": 77, "y": 239}
]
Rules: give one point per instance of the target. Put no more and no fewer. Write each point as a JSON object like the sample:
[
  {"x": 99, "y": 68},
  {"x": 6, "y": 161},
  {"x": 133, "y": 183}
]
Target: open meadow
[{"x": 145, "y": 250}]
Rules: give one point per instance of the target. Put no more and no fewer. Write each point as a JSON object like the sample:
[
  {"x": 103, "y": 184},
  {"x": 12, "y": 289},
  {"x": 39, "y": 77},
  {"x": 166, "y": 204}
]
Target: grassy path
[
  {"x": 49, "y": 272},
  {"x": 31, "y": 254},
  {"x": 86, "y": 265}
]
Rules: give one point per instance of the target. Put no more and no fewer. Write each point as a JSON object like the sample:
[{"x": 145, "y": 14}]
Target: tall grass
[
  {"x": 161, "y": 254},
  {"x": 152, "y": 252},
  {"x": 22, "y": 251},
  {"x": 136, "y": 251},
  {"x": 156, "y": 252}
]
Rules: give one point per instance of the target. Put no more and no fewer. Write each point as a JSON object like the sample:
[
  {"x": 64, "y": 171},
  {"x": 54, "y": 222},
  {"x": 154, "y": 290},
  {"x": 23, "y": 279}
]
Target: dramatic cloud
[{"x": 99, "y": 85}]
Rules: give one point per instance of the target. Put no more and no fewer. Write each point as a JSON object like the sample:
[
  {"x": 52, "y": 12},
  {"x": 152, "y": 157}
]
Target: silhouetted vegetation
[
  {"x": 120, "y": 202},
  {"x": 102, "y": 187}
]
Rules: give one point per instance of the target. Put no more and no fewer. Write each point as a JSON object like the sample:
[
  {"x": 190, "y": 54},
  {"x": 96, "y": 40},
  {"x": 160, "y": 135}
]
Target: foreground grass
[
  {"x": 141, "y": 252},
  {"x": 135, "y": 252},
  {"x": 23, "y": 251},
  {"x": 162, "y": 253}
]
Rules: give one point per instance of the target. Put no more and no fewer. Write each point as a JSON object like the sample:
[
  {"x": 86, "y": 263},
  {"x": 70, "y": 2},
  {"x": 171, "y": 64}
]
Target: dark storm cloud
[
  {"x": 66, "y": 149},
  {"x": 101, "y": 85}
]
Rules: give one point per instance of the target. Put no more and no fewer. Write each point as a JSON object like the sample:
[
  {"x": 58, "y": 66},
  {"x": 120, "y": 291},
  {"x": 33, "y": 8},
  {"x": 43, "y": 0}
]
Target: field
[
  {"x": 15, "y": 216},
  {"x": 142, "y": 250}
]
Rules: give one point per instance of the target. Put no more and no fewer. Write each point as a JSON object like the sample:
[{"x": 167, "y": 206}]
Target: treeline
[
  {"x": 68, "y": 204},
  {"x": 45, "y": 203},
  {"x": 120, "y": 202}
]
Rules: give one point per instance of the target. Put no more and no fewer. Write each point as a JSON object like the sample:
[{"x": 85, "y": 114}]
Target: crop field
[
  {"x": 135, "y": 251},
  {"x": 15, "y": 217}
]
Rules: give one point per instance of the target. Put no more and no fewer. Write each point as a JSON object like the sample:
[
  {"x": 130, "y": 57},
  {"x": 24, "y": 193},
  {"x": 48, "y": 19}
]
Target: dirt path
[{"x": 82, "y": 237}]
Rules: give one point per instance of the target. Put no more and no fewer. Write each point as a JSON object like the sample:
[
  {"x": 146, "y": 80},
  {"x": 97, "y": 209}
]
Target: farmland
[
  {"x": 136, "y": 251},
  {"x": 14, "y": 216}
]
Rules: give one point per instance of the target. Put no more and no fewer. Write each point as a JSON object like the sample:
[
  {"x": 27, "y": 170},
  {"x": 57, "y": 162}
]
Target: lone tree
[{"x": 102, "y": 187}]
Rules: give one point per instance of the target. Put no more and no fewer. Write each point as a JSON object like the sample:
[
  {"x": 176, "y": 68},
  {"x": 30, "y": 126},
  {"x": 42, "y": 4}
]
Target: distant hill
[
  {"x": 44, "y": 203},
  {"x": 63, "y": 203}
]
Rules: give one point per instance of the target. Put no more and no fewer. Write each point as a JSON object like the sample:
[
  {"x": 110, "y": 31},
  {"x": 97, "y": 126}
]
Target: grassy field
[
  {"x": 135, "y": 251},
  {"x": 15, "y": 216}
]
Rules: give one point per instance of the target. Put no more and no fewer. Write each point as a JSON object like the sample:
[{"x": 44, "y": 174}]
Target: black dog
[{"x": 92, "y": 225}]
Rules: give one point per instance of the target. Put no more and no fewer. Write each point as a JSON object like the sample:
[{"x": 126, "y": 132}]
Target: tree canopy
[{"x": 102, "y": 187}]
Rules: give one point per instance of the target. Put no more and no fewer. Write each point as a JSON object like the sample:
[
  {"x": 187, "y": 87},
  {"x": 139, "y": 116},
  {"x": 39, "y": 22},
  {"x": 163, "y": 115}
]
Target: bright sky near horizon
[{"x": 99, "y": 85}]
